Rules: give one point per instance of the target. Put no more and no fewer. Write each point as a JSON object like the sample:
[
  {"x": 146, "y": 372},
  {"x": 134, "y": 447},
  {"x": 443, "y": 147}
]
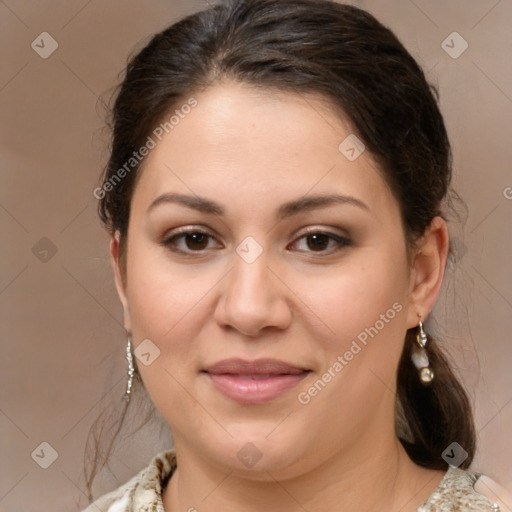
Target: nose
[{"x": 253, "y": 297}]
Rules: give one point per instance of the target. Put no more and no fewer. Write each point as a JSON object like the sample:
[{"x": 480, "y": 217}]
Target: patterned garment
[{"x": 143, "y": 493}]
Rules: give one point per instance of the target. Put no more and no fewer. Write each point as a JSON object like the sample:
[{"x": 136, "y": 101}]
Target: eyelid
[
  {"x": 190, "y": 229},
  {"x": 321, "y": 230},
  {"x": 182, "y": 231},
  {"x": 341, "y": 240}
]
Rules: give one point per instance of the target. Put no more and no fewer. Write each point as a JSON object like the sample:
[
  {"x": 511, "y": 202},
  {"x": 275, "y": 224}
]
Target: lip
[{"x": 254, "y": 382}]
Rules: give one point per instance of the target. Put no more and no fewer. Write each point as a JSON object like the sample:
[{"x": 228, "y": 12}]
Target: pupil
[
  {"x": 196, "y": 238},
  {"x": 319, "y": 241}
]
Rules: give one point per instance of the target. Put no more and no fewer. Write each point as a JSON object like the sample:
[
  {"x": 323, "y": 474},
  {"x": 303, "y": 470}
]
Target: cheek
[
  {"x": 165, "y": 307},
  {"x": 173, "y": 305},
  {"x": 352, "y": 298},
  {"x": 164, "y": 303},
  {"x": 365, "y": 308},
  {"x": 161, "y": 293}
]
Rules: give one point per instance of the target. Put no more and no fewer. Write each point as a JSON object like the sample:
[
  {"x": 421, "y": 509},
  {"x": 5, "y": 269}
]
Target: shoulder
[
  {"x": 494, "y": 492},
  {"x": 118, "y": 500},
  {"x": 143, "y": 491},
  {"x": 462, "y": 490}
]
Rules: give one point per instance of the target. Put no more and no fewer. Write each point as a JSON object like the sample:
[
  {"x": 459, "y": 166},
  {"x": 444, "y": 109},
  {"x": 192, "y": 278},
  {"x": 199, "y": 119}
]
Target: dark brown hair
[{"x": 347, "y": 57}]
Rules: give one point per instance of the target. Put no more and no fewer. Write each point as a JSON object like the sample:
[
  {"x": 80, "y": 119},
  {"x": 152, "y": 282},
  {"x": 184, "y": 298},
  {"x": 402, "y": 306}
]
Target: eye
[
  {"x": 196, "y": 241},
  {"x": 318, "y": 241},
  {"x": 193, "y": 239}
]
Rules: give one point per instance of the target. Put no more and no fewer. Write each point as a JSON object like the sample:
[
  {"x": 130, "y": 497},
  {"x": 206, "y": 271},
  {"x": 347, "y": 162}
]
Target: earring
[
  {"x": 131, "y": 369},
  {"x": 420, "y": 358}
]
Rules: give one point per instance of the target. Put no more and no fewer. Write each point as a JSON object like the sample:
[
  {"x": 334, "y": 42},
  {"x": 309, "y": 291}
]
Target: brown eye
[
  {"x": 319, "y": 241},
  {"x": 188, "y": 241},
  {"x": 196, "y": 241}
]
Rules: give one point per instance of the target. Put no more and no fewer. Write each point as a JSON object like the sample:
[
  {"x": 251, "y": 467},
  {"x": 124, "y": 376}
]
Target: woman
[{"x": 275, "y": 195}]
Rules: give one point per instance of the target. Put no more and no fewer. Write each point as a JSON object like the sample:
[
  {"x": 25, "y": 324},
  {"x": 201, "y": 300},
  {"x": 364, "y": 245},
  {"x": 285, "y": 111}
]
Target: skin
[{"x": 251, "y": 151}]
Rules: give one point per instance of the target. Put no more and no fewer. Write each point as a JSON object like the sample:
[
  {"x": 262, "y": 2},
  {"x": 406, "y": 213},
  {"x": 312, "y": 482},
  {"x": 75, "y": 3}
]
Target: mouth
[{"x": 254, "y": 382}]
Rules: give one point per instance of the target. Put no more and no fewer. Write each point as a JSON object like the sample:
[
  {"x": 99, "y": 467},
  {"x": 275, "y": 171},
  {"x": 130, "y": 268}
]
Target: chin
[{"x": 254, "y": 453}]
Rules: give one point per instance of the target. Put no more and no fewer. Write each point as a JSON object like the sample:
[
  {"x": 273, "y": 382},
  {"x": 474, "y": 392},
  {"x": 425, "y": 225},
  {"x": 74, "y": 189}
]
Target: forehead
[{"x": 256, "y": 147}]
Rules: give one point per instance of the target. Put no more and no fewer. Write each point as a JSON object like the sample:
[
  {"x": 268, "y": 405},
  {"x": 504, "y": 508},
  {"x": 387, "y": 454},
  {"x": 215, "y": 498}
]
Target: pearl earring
[
  {"x": 131, "y": 370},
  {"x": 420, "y": 358}
]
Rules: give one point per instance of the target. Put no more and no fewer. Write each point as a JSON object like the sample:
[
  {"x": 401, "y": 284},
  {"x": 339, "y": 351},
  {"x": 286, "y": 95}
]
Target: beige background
[{"x": 61, "y": 323}]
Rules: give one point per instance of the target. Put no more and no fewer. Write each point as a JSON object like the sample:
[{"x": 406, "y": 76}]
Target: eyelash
[{"x": 170, "y": 242}]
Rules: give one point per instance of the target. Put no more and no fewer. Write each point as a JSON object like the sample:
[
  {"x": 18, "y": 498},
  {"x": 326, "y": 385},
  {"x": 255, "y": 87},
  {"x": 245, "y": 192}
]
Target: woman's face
[{"x": 248, "y": 172}]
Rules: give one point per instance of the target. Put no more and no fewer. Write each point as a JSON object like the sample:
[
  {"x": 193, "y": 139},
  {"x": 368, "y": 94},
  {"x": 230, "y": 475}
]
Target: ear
[
  {"x": 120, "y": 284},
  {"x": 428, "y": 271}
]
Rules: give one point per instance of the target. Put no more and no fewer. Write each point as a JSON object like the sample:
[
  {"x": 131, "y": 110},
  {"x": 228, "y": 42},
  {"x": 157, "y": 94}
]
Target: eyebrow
[{"x": 303, "y": 204}]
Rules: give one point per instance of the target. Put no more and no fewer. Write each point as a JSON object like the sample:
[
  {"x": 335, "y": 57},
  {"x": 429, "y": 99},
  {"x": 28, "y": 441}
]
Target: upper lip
[{"x": 258, "y": 367}]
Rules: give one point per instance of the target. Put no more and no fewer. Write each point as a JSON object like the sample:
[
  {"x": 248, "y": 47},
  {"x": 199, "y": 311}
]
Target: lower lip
[{"x": 250, "y": 391}]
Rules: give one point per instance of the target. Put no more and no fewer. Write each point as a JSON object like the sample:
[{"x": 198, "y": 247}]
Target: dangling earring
[
  {"x": 420, "y": 358},
  {"x": 131, "y": 370}
]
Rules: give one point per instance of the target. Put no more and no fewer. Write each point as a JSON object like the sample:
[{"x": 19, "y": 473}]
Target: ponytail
[{"x": 431, "y": 417}]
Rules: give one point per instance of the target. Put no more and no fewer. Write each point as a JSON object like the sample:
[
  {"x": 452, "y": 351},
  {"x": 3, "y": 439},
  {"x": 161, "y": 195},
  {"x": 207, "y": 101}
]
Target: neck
[{"x": 368, "y": 476}]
